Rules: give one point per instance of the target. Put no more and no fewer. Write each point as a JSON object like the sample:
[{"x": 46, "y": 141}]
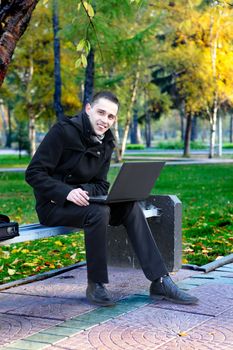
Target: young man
[{"x": 70, "y": 165}]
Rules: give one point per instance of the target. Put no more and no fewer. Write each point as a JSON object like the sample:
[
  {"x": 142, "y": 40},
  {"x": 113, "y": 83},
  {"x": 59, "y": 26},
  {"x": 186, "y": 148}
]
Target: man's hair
[{"x": 107, "y": 95}]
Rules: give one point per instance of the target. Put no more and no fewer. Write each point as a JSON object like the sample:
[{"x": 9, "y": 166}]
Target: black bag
[{"x": 8, "y": 229}]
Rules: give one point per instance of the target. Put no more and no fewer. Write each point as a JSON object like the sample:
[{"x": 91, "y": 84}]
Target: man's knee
[{"x": 99, "y": 213}]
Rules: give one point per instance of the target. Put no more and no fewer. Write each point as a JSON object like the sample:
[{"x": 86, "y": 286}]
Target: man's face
[{"x": 102, "y": 114}]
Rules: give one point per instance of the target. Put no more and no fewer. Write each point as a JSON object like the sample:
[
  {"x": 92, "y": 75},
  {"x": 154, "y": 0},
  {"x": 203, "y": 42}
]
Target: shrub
[{"x": 135, "y": 146}]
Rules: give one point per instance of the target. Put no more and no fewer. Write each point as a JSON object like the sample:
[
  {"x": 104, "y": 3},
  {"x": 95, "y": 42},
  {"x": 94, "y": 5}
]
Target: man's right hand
[{"x": 79, "y": 197}]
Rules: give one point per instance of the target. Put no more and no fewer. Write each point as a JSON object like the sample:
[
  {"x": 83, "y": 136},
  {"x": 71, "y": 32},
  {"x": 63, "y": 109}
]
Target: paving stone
[
  {"x": 216, "y": 334},
  {"x": 27, "y": 345},
  {"x": 185, "y": 343},
  {"x": 144, "y": 328},
  {"x": 9, "y": 302},
  {"x": 61, "y": 331},
  {"x": 191, "y": 283},
  {"x": 74, "y": 324},
  {"x": 54, "y": 308},
  {"x": 44, "y": 338},
  {"x": 14, "y": 327},
  {"x": 121, "y": 327},
  {"x": 212, "y": 301}
]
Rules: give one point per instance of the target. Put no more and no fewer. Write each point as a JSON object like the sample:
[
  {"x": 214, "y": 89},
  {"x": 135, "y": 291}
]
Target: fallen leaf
[
  {"x": 11, "y": 272},
  {"x": 182, "y": 334}
]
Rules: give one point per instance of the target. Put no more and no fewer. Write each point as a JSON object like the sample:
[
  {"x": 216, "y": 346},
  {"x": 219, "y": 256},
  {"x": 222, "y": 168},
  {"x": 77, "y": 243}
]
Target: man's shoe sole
[
  {"x": 175, "y": 301},
  {"x": 101, "y": 303}
]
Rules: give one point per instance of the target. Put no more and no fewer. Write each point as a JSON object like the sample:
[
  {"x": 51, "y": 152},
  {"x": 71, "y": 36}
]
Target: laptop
[{"x": 133, "y": 182}]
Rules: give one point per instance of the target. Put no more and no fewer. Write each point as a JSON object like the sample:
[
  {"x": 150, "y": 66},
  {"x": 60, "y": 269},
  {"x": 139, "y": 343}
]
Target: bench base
[{"x": 166, "y": 231}]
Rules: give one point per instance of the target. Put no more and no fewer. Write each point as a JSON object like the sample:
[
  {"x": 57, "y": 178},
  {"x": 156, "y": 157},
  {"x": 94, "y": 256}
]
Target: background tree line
[{"x": 156, "y": 56}]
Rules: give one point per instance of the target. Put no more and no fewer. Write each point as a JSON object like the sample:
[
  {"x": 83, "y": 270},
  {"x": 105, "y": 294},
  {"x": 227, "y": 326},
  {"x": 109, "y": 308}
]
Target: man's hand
[{"x": 79, "y": 197}]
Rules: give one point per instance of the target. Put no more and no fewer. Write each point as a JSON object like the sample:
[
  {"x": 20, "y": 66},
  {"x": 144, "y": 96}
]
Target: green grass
[
  {"x": 206, "y": 192},
  {"x": 13, "y": 161}
]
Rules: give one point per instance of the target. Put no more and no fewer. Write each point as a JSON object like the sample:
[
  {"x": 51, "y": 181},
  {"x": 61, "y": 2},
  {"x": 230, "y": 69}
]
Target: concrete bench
[{"x": 163, "y": 213}]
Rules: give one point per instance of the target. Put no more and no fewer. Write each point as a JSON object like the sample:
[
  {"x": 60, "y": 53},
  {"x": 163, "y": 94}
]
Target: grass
[
  {"x": 206, "y": 192},
  {"x": 13, "y": 161}
]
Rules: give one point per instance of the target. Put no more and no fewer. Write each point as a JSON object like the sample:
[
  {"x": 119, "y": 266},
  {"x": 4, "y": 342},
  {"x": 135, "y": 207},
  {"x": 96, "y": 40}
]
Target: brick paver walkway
[{"x": 53, "y": 314}]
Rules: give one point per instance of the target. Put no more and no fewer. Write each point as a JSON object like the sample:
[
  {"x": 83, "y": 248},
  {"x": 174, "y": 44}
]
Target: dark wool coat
[{"x": 69, "y": 157}]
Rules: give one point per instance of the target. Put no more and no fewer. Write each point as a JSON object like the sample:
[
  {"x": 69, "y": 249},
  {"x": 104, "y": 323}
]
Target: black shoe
[
  {"x": 165, "y": 288},
  {"x": 97, "y": 294}
]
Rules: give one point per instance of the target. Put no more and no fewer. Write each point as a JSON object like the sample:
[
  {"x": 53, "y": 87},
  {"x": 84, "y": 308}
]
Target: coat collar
[{"x": 82, "y": 123}]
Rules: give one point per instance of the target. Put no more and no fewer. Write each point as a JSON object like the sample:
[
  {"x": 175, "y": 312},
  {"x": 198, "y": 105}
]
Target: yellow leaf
[
  {"x": 29, "y": 264},
  {"x": 59, "y": 243},
  {"x": 78, "y": 63},
  {"x": 182, "y": 334},
  {"x": 89, "y": 9},
  {"x": 84, "y": 60},
  {"x": 81, "y": 45},
  {"x": 25, "y": 251},
  {"x": 6, "y": 254},
  {"x": 73, "y": 256},
  {"x": 11, "y": 272}
]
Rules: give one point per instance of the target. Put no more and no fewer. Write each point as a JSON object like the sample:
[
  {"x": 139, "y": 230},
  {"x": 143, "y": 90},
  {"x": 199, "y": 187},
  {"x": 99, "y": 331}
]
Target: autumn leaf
[
  {"x": 182, "y": 334},
  {"x": 11, "y": 272},
  {"x": 29, "y": 264},
  {"x": 25, "y": 251}
]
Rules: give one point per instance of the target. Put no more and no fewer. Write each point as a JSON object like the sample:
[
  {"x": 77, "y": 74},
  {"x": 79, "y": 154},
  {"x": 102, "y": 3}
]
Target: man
[{"x": 70, "y": 165}]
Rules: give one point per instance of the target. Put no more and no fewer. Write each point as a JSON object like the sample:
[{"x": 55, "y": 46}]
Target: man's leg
[
  {"x": 94, "y": 219},
  {"x": 162, "y": 287},
  {"x": 132, "y": 217}
]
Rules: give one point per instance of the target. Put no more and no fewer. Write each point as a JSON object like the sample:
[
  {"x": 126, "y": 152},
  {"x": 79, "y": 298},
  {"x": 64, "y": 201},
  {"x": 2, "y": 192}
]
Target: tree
[
  {"x": 14, "y": 19},
  {"x": 197, "y": 42}
]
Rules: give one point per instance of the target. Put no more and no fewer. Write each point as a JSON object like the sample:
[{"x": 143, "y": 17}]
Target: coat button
[
  {"x": 69, "y": 176},
  {"x": 98, "y": 152}
]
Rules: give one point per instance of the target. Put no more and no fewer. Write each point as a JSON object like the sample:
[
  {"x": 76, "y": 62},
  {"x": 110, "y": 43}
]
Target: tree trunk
[
  {"x": 4, "y": 123},
  {"x": 231, "y": 129},
  {"x": 57, "y": 64},
  {"x": 89, "y": 78},
  {"x": 194, "y": 128},
  {"x": 117, "y": 142},
  {"x": 148, "y": 130},
  {"x": 187, "y": 135},
  {"x": 9, "y": 133},
  {"x": 134, "y": 128},
  {"x": 219, "y": 135},
  {"x": 213, "y": 122},
  {"x": 128, "y": 118},
  {"x": 182, "y": 119},
  {"x": 32, "y": 133},
  {"x": 139, "y": 134},
  {"x": 214, "y": 35},
  {"x": 15, "y": 16}
]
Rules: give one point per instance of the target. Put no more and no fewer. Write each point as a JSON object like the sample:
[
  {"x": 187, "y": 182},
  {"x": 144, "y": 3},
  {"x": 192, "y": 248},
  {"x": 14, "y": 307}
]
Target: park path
[
  {"x": 169, "y": 161},
  {"x": 53, "y": 314}
]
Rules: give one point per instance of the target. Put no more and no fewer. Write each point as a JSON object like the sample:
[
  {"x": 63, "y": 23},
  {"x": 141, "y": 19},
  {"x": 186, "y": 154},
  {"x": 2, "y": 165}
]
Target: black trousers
[{"x": 94, "y": 219}]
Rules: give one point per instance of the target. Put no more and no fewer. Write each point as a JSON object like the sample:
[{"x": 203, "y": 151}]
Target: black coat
[{"x": 70, "y": 157}]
